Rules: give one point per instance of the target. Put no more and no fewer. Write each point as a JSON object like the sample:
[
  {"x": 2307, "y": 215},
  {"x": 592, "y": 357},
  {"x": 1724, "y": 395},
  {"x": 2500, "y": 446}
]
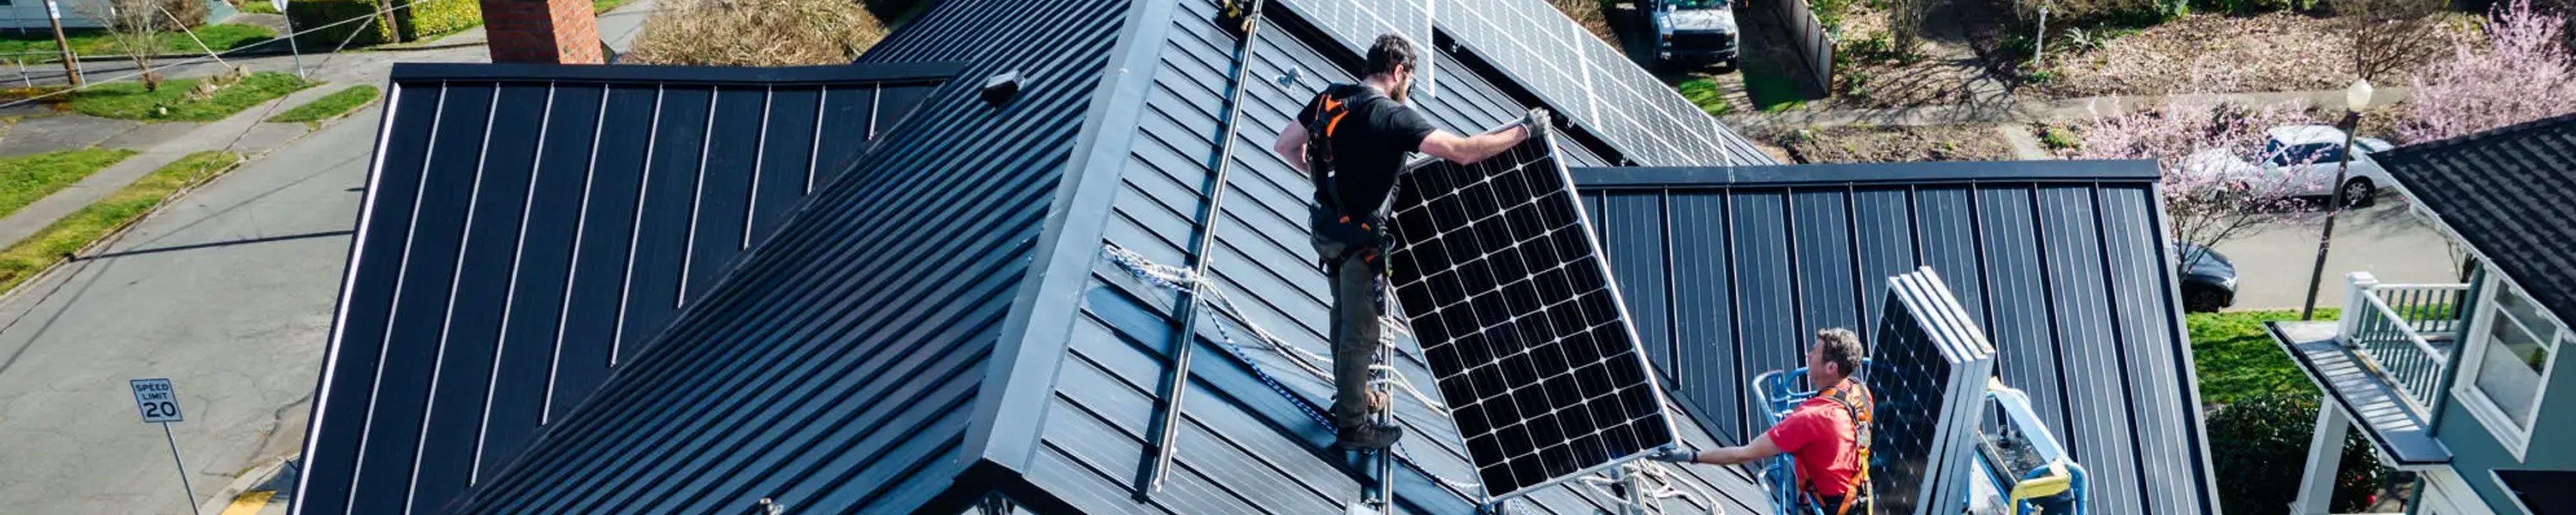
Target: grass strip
[
  {"x": 24, "y": 179},
  {"x": 2236, "y": 359},
  {"x": 329, "y": 106},
  {"x": 1704, "y": 93},
  {"x": 66, "y": 237},
  {"x": 129, "y": 101},
  {"x": 37, "y": 46}
]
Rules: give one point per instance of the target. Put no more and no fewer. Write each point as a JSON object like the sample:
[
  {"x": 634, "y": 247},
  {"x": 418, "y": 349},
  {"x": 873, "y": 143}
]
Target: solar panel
[
  {"x": 1503, "y": 284},
  {"x": 1928, "y": 371},
  {"x": 1358, "y": 23},
  {"x": 1594, "y": 83}
]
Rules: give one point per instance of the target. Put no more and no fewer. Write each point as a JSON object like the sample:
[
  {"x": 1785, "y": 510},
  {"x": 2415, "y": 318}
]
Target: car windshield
[{"x": 1699, "y": 4}]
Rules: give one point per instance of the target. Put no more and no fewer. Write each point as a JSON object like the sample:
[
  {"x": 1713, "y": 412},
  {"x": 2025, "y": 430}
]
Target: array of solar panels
[
  {"x": 1497, "y": 271},
  {"x": 1594, "y": 83},
  {"x": 1358, "y": 23},
  {"x": 1928, "y": 372}
]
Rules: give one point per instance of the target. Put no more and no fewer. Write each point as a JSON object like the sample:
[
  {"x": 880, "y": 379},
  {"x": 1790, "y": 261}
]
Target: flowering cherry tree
[
  {"x": 2220, "y": 179},
  {"x": 2523, "y": 72}
]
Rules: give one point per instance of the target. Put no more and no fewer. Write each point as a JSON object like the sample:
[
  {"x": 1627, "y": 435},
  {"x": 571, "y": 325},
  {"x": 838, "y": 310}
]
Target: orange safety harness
[
  {"x": 1333, "y": 219},
  {"x": 1855, "y": 400}
]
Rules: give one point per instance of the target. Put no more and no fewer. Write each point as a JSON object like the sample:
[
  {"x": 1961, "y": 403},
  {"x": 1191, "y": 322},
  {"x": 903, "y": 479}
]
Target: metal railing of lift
[{"x": 2389, "y": 329}]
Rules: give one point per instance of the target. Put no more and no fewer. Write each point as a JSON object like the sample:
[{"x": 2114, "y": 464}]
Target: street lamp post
[{"x": 2354, "y": 99}]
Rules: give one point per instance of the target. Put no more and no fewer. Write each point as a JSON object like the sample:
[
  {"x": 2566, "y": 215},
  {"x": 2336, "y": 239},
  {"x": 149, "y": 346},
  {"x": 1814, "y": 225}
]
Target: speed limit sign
[{"x": 156, "y": 400}]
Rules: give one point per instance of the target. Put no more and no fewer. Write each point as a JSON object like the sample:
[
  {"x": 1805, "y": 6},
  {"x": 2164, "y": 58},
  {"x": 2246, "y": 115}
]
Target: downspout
[{"x": 1166, "y": 429}]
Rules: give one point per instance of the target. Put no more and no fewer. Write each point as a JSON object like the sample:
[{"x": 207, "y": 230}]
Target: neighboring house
[
  {"x": 882, "y": 288},
  {"x": 2461, "y": 382},
  {"x": 28, "y": 16}
]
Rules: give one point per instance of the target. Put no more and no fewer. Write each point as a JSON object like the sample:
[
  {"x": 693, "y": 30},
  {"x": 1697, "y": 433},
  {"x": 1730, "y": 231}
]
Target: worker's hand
[
  {"x": 1675, "y": 455},
  {"x": 1538, "y": 120}
]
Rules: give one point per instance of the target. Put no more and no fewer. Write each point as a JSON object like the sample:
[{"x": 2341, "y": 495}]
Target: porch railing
[{"x": 2406, "y": 331}]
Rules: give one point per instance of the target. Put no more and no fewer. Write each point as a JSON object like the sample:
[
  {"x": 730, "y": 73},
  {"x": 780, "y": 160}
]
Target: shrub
[
  {"x": 434, "y": 18},
  {"x": 757, "y": 33},
  {"x": 190, "y": 14},
  {"x": 2263, "y": 450},
  {"x": 317, "y": 13}
]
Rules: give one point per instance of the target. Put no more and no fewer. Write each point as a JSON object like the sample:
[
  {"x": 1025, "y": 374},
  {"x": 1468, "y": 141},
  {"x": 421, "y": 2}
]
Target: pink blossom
[{"x": 2524, "y": 73}]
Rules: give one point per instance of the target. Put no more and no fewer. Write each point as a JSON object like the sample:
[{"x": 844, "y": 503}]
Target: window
[{"x": 2510, "y": 354}]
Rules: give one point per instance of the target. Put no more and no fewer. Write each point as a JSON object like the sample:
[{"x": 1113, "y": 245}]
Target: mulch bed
[
  {"x": 1887, "y": 144},
  {"x": 2212, "y": 54}
]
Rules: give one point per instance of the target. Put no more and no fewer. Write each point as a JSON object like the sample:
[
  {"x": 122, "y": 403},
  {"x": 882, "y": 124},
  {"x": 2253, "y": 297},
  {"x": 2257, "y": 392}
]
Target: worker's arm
[
  {"x": 1292, "y": 147},
  {"x": 1467, "y": 150},
  {"x": 1759, "y": 448}
]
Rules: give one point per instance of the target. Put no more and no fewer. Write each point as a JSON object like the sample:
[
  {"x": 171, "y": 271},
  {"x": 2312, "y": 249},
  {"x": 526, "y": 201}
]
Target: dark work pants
[{"x": 1357, "y": 302}]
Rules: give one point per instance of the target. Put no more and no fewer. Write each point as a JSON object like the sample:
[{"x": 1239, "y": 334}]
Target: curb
[{"x": 247, "y": 486}]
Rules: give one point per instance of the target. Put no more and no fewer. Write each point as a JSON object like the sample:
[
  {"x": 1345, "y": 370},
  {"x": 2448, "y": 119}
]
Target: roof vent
[{"x": 999, "y": 89}]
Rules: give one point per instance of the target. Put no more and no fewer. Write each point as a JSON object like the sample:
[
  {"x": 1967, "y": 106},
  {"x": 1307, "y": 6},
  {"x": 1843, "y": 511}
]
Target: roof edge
[
  {"x": 517, "y": 72},
  {"x": 1867, "y": 173},
  {"x": 2414, "y": 151},
  {"x": 1009, "y": 409}
]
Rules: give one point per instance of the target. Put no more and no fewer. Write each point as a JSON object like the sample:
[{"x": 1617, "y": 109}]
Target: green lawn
[
  {"x": 258, "y": 7},
  {"x": 67, "y": 236},
  {"x": 1704, "y": 93},
  {"x": 329, "y": 106},
  {"x": 128, "y": 100},
  {"x": 602, "y": 6},
  {"x": 39, "y": 47},
  {"x": 2235, "y": 358},
  {"x": 27, "y": 178}
]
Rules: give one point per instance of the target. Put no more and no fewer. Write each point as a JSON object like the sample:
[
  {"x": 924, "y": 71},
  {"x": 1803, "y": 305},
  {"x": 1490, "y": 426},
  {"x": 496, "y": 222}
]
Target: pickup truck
[{"x": 1695, "y": 32}]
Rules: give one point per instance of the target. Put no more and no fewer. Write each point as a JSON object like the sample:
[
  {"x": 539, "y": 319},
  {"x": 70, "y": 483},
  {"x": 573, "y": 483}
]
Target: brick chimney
[{"x": 542, "y": 31}]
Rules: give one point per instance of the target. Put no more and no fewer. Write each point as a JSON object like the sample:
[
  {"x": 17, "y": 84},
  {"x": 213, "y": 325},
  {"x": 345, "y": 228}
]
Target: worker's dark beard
[{"x": 1403, "y": 91}]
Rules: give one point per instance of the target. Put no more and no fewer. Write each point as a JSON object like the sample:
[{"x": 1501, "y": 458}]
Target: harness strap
[{"x": 1855, "y": 401}]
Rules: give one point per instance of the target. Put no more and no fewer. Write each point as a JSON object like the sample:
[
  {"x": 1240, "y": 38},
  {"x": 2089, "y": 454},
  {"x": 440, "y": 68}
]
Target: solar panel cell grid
[
  {"x": 1929, "y": 368},
  {"x": 1498, "y": 275}
]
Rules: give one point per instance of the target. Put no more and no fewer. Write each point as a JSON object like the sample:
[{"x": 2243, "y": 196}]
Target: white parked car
[{"x": 2320, "y": 148}]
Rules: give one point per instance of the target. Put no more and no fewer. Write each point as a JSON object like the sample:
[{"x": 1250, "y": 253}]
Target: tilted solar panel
[
  {"x": 1928, "y": 371},
  {"x": 1593, "y": 82},
  {"x": 1359, "y": 22},
  {"x": 1504, "y": 286}
]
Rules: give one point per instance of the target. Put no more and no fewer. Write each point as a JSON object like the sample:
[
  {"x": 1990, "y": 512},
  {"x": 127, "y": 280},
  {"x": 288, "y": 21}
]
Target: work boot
[{"x": 1371, "y": 436}]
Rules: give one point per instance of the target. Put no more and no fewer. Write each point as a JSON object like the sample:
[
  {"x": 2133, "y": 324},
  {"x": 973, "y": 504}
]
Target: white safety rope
[{"x": 1653, "y": 482}]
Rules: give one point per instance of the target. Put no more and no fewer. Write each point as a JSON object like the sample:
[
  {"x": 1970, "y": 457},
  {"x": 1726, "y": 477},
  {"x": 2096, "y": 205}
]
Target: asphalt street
[
  {"x": 228, "y": 293},
  {"x": 2273, "y": 262}
]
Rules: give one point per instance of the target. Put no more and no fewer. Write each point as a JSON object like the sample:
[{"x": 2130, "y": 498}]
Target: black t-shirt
[{"x": 1369, "y": 144}]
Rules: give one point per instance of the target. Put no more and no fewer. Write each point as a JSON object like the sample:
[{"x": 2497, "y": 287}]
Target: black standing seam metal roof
[
  {"x": 2510, "y": 193},
  {"x": 938, "y": 322},
  {"x": 1728, "y": 270},
  {"x": 528, "y": 225}
]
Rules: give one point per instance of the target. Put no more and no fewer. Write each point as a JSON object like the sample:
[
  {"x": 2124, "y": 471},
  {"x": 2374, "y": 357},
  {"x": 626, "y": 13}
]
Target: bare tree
[
  {"x": 2388, "y": 36},
  {"x": 2220, "y": 178},
  {"x": 136, "y": 26}
]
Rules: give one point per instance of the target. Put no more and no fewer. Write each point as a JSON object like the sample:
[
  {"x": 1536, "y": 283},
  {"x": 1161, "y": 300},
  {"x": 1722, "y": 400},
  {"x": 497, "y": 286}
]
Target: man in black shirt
[{"x": 1366, "y": 133}]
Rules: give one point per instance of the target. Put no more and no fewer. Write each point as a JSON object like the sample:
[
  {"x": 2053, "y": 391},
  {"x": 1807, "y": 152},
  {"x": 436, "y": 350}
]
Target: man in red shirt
[{"x": 1821, "y": 435}]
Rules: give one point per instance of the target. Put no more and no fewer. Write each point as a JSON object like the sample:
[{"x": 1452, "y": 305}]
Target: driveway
[
  {"x": 228, "y": 292},
  {"x": 2273, "y": 263}
]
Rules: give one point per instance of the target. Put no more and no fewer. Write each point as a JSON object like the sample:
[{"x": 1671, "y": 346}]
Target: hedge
[
  {"x": 434, "y": 18},
  {"x": 423, "y": 20}
]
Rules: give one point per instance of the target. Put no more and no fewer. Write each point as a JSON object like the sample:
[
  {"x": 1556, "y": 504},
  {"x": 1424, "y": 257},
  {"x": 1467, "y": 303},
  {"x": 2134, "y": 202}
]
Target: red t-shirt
[{"x": 1818, "y": 435}]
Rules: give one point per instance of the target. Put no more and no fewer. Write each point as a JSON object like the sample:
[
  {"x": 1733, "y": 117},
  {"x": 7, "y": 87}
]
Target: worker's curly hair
[
  {"x": 1840, "y": 348},
  {"x": 1388, "y": 53}
]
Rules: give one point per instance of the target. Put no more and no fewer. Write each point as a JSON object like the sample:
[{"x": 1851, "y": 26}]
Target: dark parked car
[{"x": 2208, "y": 278}]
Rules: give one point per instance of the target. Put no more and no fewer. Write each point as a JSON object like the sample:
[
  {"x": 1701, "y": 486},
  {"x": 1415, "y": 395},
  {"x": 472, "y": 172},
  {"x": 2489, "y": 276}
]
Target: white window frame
[
  {"x": 2464, "y": 386},
  {"x": 2447, "y": 493}
]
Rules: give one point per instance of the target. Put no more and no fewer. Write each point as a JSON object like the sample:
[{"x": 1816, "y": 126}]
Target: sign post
[
  {"x": 290, "y": 37},
  {"x": 159, "y": 403}
]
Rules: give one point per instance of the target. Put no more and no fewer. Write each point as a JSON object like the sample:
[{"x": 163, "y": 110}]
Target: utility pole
[{"x": 71, "y": 61}]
